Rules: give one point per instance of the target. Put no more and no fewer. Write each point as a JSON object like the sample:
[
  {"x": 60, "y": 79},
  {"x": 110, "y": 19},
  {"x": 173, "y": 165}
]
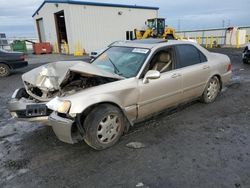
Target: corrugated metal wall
[
  {"x": 217, "y": 32},
  {"x": 94, "y": 27}
]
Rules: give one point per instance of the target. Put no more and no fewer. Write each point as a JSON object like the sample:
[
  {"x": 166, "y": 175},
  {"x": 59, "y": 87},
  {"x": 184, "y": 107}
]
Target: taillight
[
  {"x": 22, "y": 57},
  {"x": 229, "y": 67}
]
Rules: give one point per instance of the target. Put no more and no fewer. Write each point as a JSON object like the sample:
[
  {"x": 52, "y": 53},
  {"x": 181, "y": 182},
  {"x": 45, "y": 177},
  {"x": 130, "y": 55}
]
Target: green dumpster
[{"x": 19, "y": 46}]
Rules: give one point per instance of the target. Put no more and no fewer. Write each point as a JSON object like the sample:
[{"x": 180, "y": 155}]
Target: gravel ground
[
  {"x": 38, "y": 59},
  {"x": 194, "y": 145}
]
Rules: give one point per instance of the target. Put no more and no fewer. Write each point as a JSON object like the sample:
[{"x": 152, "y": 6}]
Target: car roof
[{"x": 150, "y": 43}]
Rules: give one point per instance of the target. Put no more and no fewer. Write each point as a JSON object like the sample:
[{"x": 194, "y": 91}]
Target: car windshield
[{"x": 123, "y": 61}]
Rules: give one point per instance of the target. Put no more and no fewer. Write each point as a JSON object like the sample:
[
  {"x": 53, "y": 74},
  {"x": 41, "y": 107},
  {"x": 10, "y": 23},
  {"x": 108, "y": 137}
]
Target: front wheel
[
  {"x": 212, "y": 90},
  {"x": 104, "y": 125}
]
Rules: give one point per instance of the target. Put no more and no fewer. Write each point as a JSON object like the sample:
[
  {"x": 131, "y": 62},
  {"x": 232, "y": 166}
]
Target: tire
[
  {"x": 103, "y": 126},
  {"x": 212, "y": 90},
  {"x": 4, "y": 70}
]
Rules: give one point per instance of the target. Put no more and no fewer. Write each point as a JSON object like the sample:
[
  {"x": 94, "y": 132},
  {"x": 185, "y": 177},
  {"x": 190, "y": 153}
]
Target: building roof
[{"x": 77, "y": 2}]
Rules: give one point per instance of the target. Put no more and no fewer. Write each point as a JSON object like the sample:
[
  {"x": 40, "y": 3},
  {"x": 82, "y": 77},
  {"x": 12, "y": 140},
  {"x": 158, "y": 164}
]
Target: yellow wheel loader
[{"x": 155, "y": 28}]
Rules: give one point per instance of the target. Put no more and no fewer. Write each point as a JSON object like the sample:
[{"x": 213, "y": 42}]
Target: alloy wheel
[
  {"x": 213, "y": 89},
  {"x": 108, "y": 129},
  {"x": 3, "y": 71}
]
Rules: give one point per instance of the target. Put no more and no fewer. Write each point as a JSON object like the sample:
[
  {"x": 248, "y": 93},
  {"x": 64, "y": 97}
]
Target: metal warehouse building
[{"x": 92, "y": 25}]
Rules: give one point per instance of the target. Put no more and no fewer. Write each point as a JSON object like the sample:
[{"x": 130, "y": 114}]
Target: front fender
[
  {"x": 78, "y": 106},
  {"x": 123, "y": 94},
  {"x": 129, "y": 110}
]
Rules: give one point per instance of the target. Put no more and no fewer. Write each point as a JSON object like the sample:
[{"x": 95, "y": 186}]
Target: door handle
[
  {"x": 176, "y": 75},
  {"x": 206, "y": 67}
]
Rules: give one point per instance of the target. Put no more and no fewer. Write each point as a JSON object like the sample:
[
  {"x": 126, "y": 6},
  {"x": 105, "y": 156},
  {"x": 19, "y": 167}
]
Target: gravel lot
[{"x": 195, "y": 145}]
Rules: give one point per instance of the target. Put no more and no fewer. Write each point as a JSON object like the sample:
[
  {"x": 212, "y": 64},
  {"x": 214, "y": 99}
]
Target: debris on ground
[
  {"x": 237, "y": 185},
  {"x": 139, "y": 184},
  {"x": 135, "y": 145},
  {"x": 221, "y": 130}
]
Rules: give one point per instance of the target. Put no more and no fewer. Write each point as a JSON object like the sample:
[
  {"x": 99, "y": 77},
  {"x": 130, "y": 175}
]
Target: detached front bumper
[{"x": 24, "y": 109}]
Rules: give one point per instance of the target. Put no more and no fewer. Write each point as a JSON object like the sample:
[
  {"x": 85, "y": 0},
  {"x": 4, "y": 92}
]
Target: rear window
[{"x": 189, "y": 55}]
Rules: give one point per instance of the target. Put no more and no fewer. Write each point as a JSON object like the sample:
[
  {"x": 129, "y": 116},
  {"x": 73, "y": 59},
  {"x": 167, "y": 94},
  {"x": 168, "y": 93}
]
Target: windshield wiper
[{"x": 115, "y": 67}]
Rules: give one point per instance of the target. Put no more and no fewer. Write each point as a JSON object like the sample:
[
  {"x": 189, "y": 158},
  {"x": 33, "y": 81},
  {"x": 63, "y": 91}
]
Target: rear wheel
[
  {"x": 212, "y": 90},
  {"x": 4, "y": 70},
  {"x": 104, "y": 126}
]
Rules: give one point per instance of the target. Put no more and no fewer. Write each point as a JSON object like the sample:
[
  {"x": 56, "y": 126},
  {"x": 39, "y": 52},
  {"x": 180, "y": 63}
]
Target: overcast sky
[{"x": 16, "y": 15}]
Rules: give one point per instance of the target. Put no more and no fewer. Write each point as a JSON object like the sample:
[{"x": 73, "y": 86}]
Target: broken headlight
[{"x": 58, "y": 105}]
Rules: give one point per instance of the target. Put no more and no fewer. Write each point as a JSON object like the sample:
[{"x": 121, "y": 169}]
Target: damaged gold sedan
[{"x": 98, "y": 101}]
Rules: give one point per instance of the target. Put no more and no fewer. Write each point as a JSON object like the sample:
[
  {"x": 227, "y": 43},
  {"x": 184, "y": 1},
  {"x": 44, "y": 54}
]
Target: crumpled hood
[
  {"x": 50, "y": 76},
  {"x": 88, "y": 69}
]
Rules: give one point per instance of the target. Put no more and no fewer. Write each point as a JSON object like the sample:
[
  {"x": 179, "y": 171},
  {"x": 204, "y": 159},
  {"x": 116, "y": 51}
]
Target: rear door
[{"x": 194, "y": 68}]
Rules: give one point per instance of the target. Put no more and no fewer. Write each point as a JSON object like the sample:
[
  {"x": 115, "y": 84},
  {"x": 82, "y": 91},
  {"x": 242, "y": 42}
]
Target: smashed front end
[
  {"x": 47, "y": 84},
  {"x": 40, "y": 85}
]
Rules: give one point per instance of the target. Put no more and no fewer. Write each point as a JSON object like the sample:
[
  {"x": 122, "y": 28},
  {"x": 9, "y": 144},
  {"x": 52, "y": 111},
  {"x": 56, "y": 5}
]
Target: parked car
[
  {"x": 96, "y": 53},
  {"x": 129, "y": 82},
  {"x": 10, "y": 61},
  {"x": 246, "y": 54}
]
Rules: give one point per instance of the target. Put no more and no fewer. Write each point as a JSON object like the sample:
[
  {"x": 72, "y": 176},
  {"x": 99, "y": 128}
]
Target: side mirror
[{"x": 151, "y": 75}]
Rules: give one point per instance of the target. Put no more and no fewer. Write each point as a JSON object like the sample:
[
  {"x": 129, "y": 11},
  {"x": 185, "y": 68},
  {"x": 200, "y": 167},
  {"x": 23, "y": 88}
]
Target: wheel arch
[
  {"x": 218, "y": 76},
  {"x": 82, "y": 116},
  {"x": 2, "y": 62},
  {"x": 220, "y": 80}
]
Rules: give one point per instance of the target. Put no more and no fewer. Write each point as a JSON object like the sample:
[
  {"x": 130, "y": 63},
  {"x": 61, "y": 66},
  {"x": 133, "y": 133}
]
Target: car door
[
  {"x": 194, "y": 68},
  {"x": 160, "y": 93}
]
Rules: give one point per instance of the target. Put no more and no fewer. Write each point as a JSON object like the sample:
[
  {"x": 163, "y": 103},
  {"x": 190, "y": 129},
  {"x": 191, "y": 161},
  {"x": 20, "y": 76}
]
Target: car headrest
[{"x": 164, "y": 57}]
